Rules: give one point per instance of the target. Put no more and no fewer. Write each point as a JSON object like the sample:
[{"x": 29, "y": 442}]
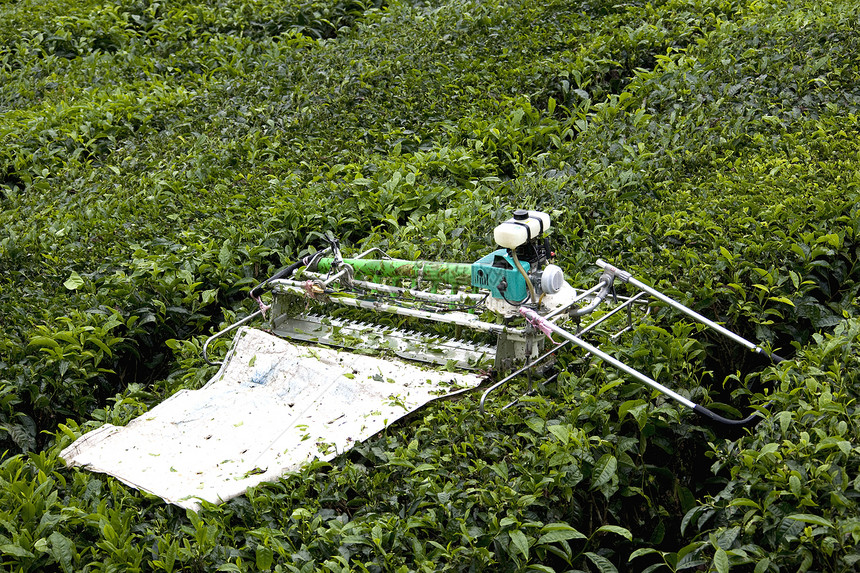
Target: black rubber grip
[
  {"x": 284, "y": 272},
  {"x": 749, "y": 421}
]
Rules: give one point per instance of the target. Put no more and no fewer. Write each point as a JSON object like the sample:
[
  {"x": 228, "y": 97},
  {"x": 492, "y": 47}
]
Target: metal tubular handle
[
  {"x": 516, "y": 373},
  {"x": 545, "y": 325},
  {"x": 581, "y": 296},
  {"x": 626, "y": 305},
  {"x": 605, "y": 285},
  {"x": 627, "y": 277},
  {"x": 539, "y": 321},
  {"x": 225, "y": 331}
]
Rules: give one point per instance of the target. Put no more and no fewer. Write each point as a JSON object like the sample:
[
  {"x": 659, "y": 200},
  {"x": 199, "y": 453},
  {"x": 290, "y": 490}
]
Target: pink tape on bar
[{"x": 538, "y": 322}]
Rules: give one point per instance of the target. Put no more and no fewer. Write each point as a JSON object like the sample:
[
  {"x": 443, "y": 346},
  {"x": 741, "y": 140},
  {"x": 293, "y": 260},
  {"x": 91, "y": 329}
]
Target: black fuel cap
[{"x": 521, "y": 215}]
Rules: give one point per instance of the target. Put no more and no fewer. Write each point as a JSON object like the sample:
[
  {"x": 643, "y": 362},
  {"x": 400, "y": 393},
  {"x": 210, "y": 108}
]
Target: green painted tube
[{"x": 450, "y": 273}]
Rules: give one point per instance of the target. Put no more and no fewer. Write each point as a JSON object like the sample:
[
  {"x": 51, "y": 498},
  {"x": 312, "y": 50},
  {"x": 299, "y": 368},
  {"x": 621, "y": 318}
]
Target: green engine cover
[{"x": 496, "y": 270}]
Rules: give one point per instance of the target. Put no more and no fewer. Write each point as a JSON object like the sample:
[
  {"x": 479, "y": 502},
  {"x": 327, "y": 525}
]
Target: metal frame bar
[
  {"x": 233, "y": 326},
  {"x": 627, "y": 304},
  {"x": 536, "y": 318},
  {"x": 699, "y": 409},
  {"x": 549, "y": 327},
  {"x": 458, "y": 298},
  {"x": 455, "y": 317},
  {"x": 628, "y": 278}
]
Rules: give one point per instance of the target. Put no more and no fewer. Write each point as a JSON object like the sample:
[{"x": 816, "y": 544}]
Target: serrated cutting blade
[{"x": 373, "y": 338}]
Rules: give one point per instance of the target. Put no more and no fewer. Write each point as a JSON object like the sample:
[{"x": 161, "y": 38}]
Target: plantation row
[{"x": 157, "y": 160}]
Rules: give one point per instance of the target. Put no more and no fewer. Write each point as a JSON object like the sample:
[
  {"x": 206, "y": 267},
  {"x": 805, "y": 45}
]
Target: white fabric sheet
[{"x": 272, "y": 407}]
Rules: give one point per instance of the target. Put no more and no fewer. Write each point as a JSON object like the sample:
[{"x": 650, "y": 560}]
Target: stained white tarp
[{"x": 272, "y": 407}]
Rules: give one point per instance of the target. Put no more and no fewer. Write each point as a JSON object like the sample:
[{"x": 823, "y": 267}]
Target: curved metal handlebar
[{"x": 225, "y": 331}]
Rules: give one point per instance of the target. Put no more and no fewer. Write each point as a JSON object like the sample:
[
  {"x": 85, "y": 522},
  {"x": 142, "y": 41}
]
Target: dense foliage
[{"x": 158, "y": 159}]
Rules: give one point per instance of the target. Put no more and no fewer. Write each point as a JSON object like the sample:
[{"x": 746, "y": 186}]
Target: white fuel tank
[{"x": 522, "y": 227}]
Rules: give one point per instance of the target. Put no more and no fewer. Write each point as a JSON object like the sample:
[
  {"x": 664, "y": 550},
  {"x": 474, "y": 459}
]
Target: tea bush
[{"x": 158, "y": 160}]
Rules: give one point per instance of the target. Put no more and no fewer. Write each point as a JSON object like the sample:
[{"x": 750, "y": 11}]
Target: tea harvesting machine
[
  {"x": 514, "y": 299},
  {"x": 335, "y": 364}
]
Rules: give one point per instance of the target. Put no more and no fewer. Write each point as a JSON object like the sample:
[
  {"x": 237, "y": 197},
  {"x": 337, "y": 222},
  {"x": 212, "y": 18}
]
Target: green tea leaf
[
  {"x": 604, "y": 470},
  {"x": 520, "y": 542},
  {"x": 62, "y": 550},
  {"x": 43, "y": 342},
  {"x": 74, "y": 281},
  {"x": 603, "y": 564},
  {"x": 556, "y": 536},
  {"x": 15, "y": 550},
  {"x": 812, "y": 519},
  {"x": 264, "y": 557},
  {"x": 721, "y": 561},
  {"x": 642, "y": 551},
  {"x": 561, "y": 432},
  {"x": 616, "y": 530}
]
